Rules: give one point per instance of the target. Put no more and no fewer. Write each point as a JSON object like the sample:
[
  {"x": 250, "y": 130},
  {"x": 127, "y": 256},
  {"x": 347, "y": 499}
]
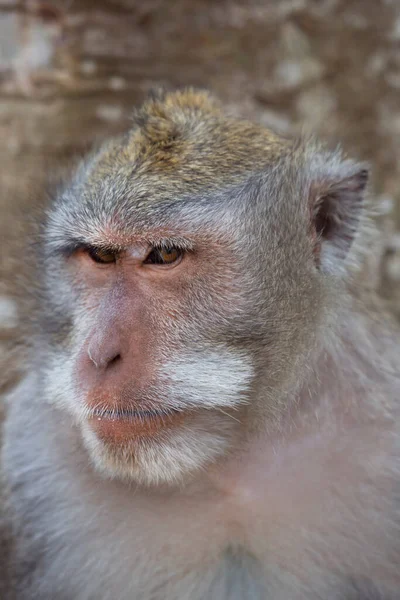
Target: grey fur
[{"x": 293, "y": 494}]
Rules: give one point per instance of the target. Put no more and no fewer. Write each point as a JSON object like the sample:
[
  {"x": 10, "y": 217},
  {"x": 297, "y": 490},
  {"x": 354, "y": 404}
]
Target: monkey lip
[{"x": 121, "y": 425}]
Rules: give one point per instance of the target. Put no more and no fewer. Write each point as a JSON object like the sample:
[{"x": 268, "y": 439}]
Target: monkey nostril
[
  {"x": 114, "y": 360},
  {"x": 103, "y": 360}
]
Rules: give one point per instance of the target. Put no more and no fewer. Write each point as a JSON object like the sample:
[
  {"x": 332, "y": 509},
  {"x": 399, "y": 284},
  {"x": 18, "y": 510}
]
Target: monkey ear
[{"x": 337, "y": 199}]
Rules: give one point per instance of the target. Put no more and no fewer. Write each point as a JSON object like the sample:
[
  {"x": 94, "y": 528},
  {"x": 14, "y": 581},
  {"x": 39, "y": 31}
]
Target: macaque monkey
[{"x": 211, "y": 409}]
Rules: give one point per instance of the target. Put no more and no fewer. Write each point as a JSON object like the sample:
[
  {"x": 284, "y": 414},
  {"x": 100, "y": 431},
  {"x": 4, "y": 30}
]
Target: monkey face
[
  {"x": 184, "y": 290},
  {"x": 154, "y": 359},
  {"x": 168, "y": 327}
]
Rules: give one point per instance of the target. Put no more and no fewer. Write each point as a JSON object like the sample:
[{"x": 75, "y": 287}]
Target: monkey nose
[{"x": 103, "y": 353}]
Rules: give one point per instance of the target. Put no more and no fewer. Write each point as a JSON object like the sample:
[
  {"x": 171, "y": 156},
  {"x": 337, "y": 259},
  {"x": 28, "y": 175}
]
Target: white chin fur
[{"x": 167, "y": 458}]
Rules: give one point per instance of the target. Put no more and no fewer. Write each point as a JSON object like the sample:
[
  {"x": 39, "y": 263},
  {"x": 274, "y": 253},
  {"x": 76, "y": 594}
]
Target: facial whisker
[{"x": 228, "y": 415}]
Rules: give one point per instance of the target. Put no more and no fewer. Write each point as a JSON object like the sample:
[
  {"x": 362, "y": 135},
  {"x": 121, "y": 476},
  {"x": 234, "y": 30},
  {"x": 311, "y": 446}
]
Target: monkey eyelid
[
  {"x": 165, "y": 243},
  {"x": 164, "y": 239},
  {"x": 68, "y": 248}
]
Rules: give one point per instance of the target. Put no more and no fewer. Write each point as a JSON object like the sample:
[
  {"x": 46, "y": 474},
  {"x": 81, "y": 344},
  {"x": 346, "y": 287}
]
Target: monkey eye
[
  {"x": 164, "y": 256},
  {"x": 101, "y": 256}
]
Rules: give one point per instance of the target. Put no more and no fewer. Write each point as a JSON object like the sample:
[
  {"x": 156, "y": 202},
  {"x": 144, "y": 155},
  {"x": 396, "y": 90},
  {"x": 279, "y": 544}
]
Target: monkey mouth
[
  {"x": 121, "y": 425},
  {"x": 134, "y": 414}
]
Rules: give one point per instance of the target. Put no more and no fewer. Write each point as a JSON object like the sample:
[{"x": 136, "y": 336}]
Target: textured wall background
[{"x": 71, "y": 70}]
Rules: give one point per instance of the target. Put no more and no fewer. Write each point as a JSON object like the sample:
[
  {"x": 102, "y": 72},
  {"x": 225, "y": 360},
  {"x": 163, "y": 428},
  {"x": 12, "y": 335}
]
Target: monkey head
[{"x": 186, "y": 268}]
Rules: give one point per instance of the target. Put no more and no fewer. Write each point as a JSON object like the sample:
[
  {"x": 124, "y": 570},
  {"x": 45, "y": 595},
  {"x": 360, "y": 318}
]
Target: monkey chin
[{"x": 166, "y": 458}]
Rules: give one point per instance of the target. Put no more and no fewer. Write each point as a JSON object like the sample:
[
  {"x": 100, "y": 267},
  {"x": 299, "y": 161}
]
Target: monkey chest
[{"x": 278, "y": 538}]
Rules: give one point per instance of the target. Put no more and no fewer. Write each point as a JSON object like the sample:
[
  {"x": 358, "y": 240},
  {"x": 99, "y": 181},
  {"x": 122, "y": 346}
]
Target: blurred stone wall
[{"x": 71, "y": 70}]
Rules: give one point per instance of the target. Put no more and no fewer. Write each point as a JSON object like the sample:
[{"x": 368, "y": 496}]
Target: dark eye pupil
[
  {"x": 102, "y": 256},
  {"x": 163, "y": 256}
]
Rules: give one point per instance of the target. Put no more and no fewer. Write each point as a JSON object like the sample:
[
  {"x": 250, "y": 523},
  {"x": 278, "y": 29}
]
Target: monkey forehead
[
  {"x": 182, "y": 151},
  {"x": 122, "y": 220},
  {"x": 119, "y": 217}
]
